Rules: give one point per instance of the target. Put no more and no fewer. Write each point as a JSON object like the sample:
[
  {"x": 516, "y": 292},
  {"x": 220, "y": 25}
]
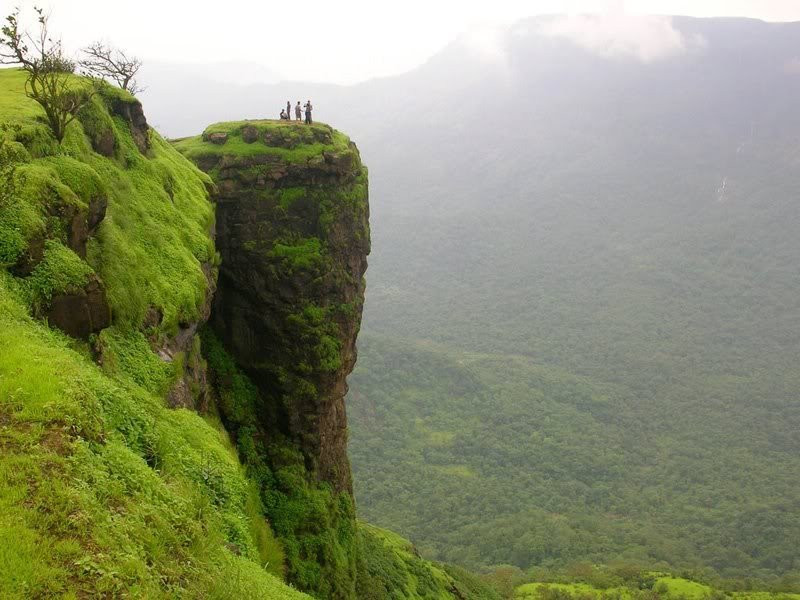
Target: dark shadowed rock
[
  {"x": 81, "y": 223},
  {"x": 294, "y": 237},
  {"x": 104, "y": 143},
  {"x": 81, "y": 313},
  {"x": 131, "y": 111}
]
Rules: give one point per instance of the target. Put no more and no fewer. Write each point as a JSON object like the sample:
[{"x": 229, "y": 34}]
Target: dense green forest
[
  {"x": 498, "y": 459},
  {"x": 581, "y": 331}
]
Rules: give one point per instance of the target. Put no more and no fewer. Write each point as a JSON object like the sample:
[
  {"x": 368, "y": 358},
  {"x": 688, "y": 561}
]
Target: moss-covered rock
[
  {"x": 105, "y": 490},
  {"x": 293, "y": 235},
  {"x": 292, "y": 231}
]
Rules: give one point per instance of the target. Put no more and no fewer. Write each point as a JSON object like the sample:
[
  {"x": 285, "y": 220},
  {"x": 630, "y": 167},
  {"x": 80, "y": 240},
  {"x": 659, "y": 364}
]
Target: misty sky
[{"x": 341, "y": 41}]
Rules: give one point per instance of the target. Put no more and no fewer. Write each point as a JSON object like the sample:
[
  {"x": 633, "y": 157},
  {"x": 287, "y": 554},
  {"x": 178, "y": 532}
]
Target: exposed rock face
[
  {"x": 132, "y": 112},
  {"x": 292, "y": 229},
  {"x": 82, "y": 312},
  {"x": 191, "y": 390}
]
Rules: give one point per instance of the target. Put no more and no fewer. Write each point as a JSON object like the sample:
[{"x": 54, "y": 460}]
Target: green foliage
[
  {"x": 19, "y": 220},
  {"x": 488, "y": 459},
  {"x": 639, "y": 585},
  {"x": 105, "y": 491},
  {"x": 391, "y": 569},
  {"x": 294, "y": 142},
  {"x": 314, "y": 524},
  {"x": 60, "y": 271},
  {"x": 314, "y": 328},
  {"x": 155, "y": 239},
  {"x": 49, "y": 72},
  {"x": 303, "y": 254},
  {"x": 290, "y": 194},
  {"x": 152, "y": 249},
  {"x": 128, "y": 353}
]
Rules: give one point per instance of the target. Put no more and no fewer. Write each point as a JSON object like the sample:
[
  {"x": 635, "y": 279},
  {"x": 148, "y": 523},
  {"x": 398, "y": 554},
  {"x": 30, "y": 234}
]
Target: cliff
[
  {"x": 105, "y": 490},
  {"x": 172, "y": 418},
  {"x": 292, "y": 231},
  {"x": 293, "y": 235}
]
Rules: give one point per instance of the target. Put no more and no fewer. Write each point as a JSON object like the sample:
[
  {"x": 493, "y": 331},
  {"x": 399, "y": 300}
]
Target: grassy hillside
[
  {"x": 392, "y": 568},
  {"x": 104, "y": 490}
]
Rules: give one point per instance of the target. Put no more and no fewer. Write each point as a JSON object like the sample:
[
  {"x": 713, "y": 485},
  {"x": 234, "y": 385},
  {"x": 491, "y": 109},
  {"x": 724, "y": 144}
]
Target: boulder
[
  {"x": 249, "y": 134},
  {"x": 218, "y": 138}
]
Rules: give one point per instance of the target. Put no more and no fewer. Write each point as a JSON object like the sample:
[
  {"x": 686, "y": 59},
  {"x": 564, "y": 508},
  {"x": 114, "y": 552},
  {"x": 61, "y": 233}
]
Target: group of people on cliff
[{"x": 298, "y": 111}]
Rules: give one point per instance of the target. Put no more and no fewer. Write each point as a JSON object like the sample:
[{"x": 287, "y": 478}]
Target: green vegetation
[
  {"x": 301, "y": 254},
  {"x": 625, "y": 584},
  {"x": 289, "y": 142},
  {"x": 150, "y": 249},
  {"x": 315, "y": 525},
  {"x": 487, "y": 459},
  {"x": 103, "y": 490},
  {"x": 392, "y": 569},
  {"x": 60, "y": 270},
  {"x": 48, "y": 70}
]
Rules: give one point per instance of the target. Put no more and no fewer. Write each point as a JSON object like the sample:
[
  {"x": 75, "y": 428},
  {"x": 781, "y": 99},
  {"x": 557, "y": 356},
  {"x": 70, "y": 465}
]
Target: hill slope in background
[{"x": 590, "y": 249}]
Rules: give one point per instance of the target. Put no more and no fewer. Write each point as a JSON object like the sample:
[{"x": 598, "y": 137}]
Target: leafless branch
[
  {"x": 112, "y": 63},
  {"x": 49, "y": 71}
]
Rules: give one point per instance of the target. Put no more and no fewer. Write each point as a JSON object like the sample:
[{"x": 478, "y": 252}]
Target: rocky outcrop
[
  {"x": 191, "y": 390},
  {"x": 292, "y": 230},
  {"x": 80, "y": 313},
  {"x": 131, "y": 111}
]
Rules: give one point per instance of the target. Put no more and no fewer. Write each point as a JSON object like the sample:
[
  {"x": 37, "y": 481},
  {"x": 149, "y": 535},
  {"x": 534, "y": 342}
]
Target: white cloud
[
  {"x": 645, "y": 38},
  {"x": 485, "y": 43}
]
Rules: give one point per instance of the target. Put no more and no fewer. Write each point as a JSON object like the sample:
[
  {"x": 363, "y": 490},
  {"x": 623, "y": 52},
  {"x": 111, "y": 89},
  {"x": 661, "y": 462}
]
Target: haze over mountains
[{"x": 583, "y": 304}]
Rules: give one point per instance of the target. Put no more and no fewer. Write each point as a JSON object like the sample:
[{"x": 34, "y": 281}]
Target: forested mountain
[{"x": 582, "y": 320}]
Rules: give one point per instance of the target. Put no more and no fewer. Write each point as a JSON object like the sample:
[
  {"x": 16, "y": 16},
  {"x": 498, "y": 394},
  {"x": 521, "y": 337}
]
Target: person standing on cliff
[
  {"x": 288, "y": 109},
  {"x": 298, "y": 111},
  {"x": 308, "y": 112}
]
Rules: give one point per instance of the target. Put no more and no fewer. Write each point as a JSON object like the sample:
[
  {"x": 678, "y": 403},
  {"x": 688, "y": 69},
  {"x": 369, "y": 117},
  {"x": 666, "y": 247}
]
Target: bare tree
[
  {"x": 113, "y": 63},
  {"x": 50, "y": 71}
]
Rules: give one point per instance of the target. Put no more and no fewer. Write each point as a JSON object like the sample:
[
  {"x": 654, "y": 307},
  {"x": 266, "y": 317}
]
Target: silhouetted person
[
  {"x": 284, "y": 116},
  {"x": 298, "y": 111},
  {"x": 288, "y": 110},
  {"x": 308, "y": 112}
]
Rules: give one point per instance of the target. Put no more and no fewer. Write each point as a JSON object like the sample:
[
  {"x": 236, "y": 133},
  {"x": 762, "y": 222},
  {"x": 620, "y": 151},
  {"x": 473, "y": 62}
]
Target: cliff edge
[{"x": 293, "y": 235}]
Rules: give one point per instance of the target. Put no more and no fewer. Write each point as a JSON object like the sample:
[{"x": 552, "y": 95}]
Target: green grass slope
[
  {"x": 105, "y": 492},
  {"x": 392, "y": 569}
]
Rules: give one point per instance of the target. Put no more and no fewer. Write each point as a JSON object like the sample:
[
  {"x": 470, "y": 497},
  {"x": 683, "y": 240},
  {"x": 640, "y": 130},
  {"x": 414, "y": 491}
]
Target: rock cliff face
[{"x": 292, "y": 231}]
